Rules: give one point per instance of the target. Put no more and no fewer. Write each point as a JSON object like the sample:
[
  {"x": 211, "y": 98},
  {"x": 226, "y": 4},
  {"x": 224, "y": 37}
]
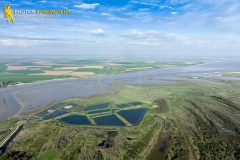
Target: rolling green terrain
[{"x": 185, "y": 121}]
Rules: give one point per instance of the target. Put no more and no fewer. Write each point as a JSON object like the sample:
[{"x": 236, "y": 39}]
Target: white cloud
[
  {"x": 112, "y": 17},
  {"x": 141, "y": 16},
  {"x": 14, "y": 43},
  {"x": 168, "y": 39},
  {"x": 143, "y": 9},
  {"x": 28, "y": 41},
  {"x": 149, "y": 37},
  {"x": 7, "y": 42},
  {"x": 153, "y": 4},
  {"x": 87, "y": 5},
  {"x": 174, "y": 13},
  {"x": 27, "y": 3},
  {"x": 43, "y": 1},
  {"x": 105, "y": 14},
  {"x": 219, "y": 16},
  {"x": 98, "y": 32}
]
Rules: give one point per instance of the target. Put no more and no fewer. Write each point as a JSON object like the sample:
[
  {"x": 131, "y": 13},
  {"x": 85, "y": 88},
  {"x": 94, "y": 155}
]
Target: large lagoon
[{"x": 29, "y": 97}]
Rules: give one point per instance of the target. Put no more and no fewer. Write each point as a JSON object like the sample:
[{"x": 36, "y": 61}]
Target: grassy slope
[{"x": 192, "y": 124}]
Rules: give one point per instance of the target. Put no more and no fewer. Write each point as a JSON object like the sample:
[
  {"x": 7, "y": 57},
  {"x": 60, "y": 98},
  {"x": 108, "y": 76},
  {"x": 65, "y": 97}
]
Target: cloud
[
  {"x": 49, "y": 42},
  {"x": 98, "y": 32},
  {"x": 43, "y": 1},
  {"x": 141, "y": 16},
  {"x": 7, "y": 42},
  {"x": 87, "y": 5},
  {"x": 149, "y": 37},
  {"x": 112, "y": 17},
  {"x": 153, "y": 4},
  {"x": 105, "y": 14},
  {"x": 27, "y": 3},
  {"x": 174, "y": 13},
  {"x": 35, "y": 38},
  {"x": 17, "y": 43},
  {"x": 170, "y": 39},
  {"x": 143, "y": 9}
]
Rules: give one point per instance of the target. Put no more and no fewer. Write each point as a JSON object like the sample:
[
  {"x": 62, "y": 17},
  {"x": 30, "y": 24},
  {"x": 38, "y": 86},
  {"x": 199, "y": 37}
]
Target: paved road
[{"x": 11, "y": 136}]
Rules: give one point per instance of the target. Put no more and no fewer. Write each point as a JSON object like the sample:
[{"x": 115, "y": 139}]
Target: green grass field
[{"x": 20, "y": 77}]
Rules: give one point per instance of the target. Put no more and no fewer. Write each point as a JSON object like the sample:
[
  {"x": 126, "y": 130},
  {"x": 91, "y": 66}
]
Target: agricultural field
[
  {"x": 190, "y": 120},
  {"x": 26, "y": 71}
]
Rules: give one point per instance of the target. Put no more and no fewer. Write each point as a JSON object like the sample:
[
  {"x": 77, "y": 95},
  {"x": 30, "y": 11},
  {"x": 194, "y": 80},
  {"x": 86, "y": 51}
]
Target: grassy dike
[{"x": 185, "y": 121}]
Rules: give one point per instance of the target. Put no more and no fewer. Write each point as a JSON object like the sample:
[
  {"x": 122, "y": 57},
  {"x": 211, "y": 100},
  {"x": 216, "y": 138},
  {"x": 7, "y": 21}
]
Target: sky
[{"x": 175, "y": 28}]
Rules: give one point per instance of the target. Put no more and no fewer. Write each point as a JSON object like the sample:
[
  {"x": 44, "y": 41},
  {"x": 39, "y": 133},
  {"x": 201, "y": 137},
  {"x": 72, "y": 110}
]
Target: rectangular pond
[
  {"x": 99, "y": 111},
  {"x": 97, "y": 106},
  {"x": 76, "y": 119},
  {"x": 124, "y": 105},
  {"x": 109, "y": 120},
  {"x": 54, "y": 114},
  {"x": 134, "y": 116},
  {"x": 60, "y": 105}
]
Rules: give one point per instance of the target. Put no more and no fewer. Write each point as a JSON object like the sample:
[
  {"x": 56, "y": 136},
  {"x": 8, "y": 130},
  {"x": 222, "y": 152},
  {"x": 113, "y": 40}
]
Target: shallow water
[{"x": 54, "y": 114}]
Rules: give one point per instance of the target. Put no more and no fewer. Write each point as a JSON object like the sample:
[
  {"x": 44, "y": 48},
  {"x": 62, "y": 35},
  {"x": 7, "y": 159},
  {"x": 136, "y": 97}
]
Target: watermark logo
[
  {"x": 8, "y": 13},
  {"x": 16, "y": 14}
]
